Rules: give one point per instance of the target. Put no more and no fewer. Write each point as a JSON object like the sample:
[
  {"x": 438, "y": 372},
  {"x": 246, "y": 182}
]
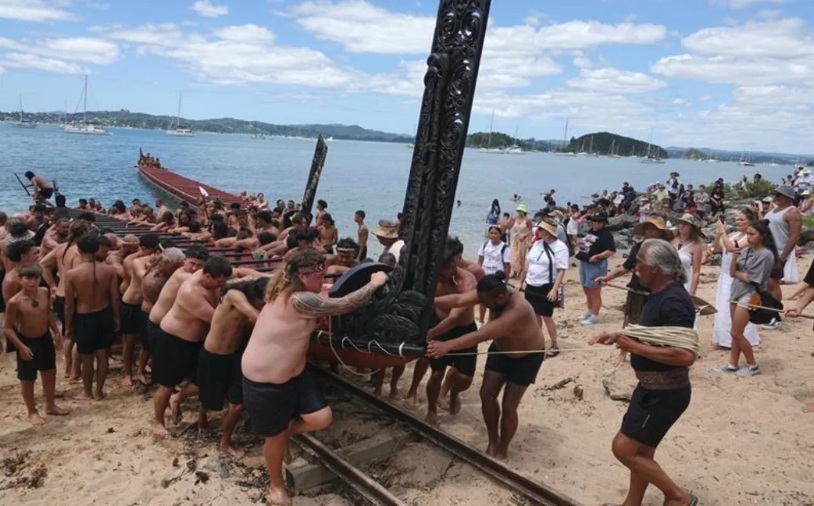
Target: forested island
[
  {"x": 608, "y": 144},
  {"x": 127, "y": 119}
]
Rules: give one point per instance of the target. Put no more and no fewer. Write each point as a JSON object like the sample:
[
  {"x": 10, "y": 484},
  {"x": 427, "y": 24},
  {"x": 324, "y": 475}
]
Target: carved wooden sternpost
[
  {"x": 398, "y": 318},
  {"x": 320, "y": 153}
]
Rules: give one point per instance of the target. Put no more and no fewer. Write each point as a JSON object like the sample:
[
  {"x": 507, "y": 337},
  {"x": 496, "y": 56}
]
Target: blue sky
[{"x": 729, "y": 74}]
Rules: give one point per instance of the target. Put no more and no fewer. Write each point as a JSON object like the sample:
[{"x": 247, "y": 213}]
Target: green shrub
[{"x": 755, "y": 190}]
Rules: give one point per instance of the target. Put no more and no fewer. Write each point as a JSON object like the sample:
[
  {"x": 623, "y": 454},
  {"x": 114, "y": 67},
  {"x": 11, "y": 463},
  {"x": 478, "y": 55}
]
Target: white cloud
[
  {"x": 740, "y": 4},
  {"x": 743, "y": 71},
  {"x": 82, "y": 49},
  {"x": 34, "y": 62},
  {"x": 32, "y": 10},
  {"x": 782, "y": 38},
  {"x": 612, "y": 80},
  {"x": 207, "y": 9}
]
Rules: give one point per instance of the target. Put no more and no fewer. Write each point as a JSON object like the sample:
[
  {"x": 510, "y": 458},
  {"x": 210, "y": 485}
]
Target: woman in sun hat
[
  {"x": 805, "y": 205},
  {"x": 520, "y": 237},
  {"x": 595, "y": 248},
  {"x": 690, "y": 245},
  {"x": 544, "y": 275},
  {"x": 654, "y": 227}
]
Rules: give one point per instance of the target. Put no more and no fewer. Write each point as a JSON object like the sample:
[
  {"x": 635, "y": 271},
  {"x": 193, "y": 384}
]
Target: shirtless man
[
  {"x": 28, "y": 313},
  {"x": 363, "y": 233},
  {"x": 154, "y": 280},
  {"x": 512, "y": 328},
  {"x": 280, "y": 396},
  {"x": 64, "y": 258},
  {"x": 135, "y": 267},
  {"x": 42, "y": 188},
  {"x": 219, "y": 374},
  {"x": 457, "y": 248},
  {"x": 126, "y": 246},
  {"x": 92, "y": 313},
  {"x": 56, "y": 235},
  {"x": 346, "y": 256},
  {"x": 328, "y": 233},
  {"x": 452, "y": 324},
  {"x": 181, "y": 333}
]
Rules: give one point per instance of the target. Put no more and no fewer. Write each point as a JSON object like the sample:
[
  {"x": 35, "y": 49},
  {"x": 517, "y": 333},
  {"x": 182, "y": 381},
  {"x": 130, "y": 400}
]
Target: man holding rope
[
  {"x": 662, "y": 348},
  {"x": 515, "y": 356}
]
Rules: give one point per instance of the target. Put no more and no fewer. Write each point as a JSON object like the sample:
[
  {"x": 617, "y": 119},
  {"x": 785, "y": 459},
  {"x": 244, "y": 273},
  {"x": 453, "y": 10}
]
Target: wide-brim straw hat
[
  {"x": 548, "y": 226},
  {"x": 659, "y": 223},
  {"x": 386, "y": 230},
  {"x": 786, "y": 191},
  {"x": 690, "y": 219}
]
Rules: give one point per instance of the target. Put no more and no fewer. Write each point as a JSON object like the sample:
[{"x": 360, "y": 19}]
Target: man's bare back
[
  {"x": 93, "y": 285},
  {"x": 190, "y": 315},
  {"x": 167, "y": 296},
  {"x": 228, "y": 323}
]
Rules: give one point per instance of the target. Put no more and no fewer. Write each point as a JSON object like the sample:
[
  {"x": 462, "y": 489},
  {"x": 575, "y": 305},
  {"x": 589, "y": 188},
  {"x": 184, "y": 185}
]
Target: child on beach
[{"x": 29, "y": 324}]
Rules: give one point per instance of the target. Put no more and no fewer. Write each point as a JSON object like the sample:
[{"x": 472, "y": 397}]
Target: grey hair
[
  {"x": 663, "y": 255},
  {"x": 173, "y": 255}
]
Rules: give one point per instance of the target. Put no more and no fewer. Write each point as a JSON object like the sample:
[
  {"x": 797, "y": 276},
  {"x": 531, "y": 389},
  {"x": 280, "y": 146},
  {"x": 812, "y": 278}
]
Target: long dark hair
[
  {"x": 762, "y": 228},
  {"x": 495, "y": 208}
]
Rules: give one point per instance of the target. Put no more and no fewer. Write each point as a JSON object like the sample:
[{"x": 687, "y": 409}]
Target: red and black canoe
[{"x": 182, "y": 187}]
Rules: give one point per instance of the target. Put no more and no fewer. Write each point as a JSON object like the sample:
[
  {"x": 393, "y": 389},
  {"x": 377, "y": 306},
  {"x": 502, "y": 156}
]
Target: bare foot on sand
[
  {"x": 410, "y": 402},
  {"x": 100, "y": 394},
  {"x": 74, "y": 381},
  {"x": 57, "y": 411},
  {"x": 455, "y": 403},
  {"x": 394, "y": 393},
  {"x": 175, "y": 409},
  {"x": 431, "y": 418},
  {"x": 159, "y": 431},
  {"x": 232, "y": 451},
  {"x": 443, "y": 402},
  {"x": 84, "y": 397},
  {"x": 143, "y": 379},
  {"x": 808, "y": 408},
  {"x": 35, "y": 419},
  {"x": 127, "y": 381},
  {"x": 279, "y": 496},
  {"x": 490, "y": 450}
]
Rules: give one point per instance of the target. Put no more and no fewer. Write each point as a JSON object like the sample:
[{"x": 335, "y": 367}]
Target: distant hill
[
  {"x": 695, "y": 154},
  {"x": 501, "y": 140},
  {"x": 125, "y": 118},
  {"x": 606, "y": 143}
]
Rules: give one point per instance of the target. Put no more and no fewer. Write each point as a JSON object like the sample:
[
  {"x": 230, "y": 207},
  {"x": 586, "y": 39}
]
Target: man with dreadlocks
[
  {"x": 92, "y": 301},
  {"x": 664, "y": 390},
  {"x": 280, "y": 396}
]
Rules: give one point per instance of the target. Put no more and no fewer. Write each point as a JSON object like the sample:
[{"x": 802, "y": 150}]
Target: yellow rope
[{"x": 678, "y": 337}]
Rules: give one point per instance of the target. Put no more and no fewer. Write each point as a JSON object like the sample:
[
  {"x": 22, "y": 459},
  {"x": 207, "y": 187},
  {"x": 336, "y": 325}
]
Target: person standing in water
[{"x": 281, "y": 397}]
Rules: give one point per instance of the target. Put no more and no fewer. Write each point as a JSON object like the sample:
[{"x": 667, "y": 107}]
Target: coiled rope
[{"x": 678, "y": 337}]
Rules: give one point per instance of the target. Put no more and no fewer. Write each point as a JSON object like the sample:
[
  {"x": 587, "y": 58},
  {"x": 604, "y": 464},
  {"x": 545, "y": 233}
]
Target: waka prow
[{"x": 396, "y": 321}]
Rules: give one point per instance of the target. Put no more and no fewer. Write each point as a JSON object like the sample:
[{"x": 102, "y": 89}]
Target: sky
[{"x": 727, "y": 74}]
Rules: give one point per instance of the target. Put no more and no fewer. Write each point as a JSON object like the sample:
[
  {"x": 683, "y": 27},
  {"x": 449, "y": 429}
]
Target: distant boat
[
  {"x": 179, "y": 131},
  {"x": 24, "y": 123},
  {"x": 410, "y": 146},
  {"x": 85, "y": 128},
  {"x": 513, "y": 150},
  {"x": 488, "y": 148},
  {"x": 652, "y": 159},
  {"x": 744, "y": 161},
  {"x": 329, "y": 139},
  {"x": 564, "y": 144}
]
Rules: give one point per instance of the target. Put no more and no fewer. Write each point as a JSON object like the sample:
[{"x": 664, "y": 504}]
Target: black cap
[{"x": 600, "y": 216}]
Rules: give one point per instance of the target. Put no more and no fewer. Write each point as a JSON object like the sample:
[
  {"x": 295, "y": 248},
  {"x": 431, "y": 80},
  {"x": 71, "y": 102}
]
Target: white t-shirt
[
  {"x": 395, "y": 249},
  {"x": 538, "y": 262},
  {"x": 572, "y": 228},
  {"x": 494, "y": 256}
]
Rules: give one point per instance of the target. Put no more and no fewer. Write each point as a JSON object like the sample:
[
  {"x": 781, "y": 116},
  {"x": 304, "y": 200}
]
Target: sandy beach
[{"x": 742, "y": 441}]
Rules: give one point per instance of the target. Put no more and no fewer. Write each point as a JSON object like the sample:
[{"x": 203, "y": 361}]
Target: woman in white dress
[
  {"x": 690, "y": 245},
  {"x": 727, "y": 245}
]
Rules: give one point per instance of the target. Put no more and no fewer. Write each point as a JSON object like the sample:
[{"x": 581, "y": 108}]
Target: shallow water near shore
[{"x": 358, "y": 175}]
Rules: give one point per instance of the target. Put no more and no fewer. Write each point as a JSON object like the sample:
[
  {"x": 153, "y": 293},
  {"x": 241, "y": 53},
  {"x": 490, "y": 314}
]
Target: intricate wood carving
[
  {"x": 320, "y": 153},
  {"x": 398, "y": 318}
]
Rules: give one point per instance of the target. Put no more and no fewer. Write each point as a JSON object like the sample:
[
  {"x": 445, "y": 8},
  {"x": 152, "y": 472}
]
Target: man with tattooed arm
[{"x": 279, "y": 395}]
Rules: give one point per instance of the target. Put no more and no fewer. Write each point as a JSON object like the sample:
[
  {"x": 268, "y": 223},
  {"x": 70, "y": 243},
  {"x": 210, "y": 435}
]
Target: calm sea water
[{"x": 357, "y": 175}]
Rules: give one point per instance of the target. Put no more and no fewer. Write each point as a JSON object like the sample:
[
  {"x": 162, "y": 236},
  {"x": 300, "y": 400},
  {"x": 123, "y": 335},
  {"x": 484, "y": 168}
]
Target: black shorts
[
  {"x": 519, "y": 371},
  {"x": 777, "y": 272},
  {"x": 45, "y": 357},
  {"x": 46, "y": 193},
  {"x": 94, "y": 331},
  {"x": 464, "y": 364},
  {"x": 174, "y": 359},
  {"x": 130, "y": 319},
  {"x": 272, "y": 407},
  {"x": 146, "y": 334},
  {"x": 363, "y": 254},
  {"x": 651, "y": 413},
  {"x": 59, "y": 309},
  {"x": 219, "y": 377},
  {"x": 538, "y": 298}
]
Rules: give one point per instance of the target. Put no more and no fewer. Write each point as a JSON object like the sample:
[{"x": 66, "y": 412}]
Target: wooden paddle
[{"x": 23, "y": 184}]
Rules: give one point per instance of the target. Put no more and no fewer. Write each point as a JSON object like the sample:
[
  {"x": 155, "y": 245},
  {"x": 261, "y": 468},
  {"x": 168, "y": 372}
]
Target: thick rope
[{"x": 678, "y": 337}]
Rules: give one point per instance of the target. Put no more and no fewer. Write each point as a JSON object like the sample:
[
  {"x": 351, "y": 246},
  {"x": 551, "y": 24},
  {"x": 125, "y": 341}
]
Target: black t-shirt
[
  {"x": 630, "y": 264},
  {"x": 671, "y": 307},
  {"x": 594, "y": 243}
]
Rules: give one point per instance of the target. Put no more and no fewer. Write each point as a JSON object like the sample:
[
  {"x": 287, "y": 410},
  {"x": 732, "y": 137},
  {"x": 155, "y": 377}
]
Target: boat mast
[
  {"x": 85, "y": 101},
  {"x": 491, "y": 124},
  {"x": 565, "y": 135},
  {"x": 21, "y": 107}
]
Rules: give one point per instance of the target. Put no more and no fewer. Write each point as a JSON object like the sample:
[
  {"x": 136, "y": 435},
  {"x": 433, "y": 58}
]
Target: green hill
[{"x": 606, "y": 143}]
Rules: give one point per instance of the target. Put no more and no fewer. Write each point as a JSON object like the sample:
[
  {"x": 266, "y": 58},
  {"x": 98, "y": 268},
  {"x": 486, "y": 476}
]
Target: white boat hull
[
  {"x": 181, "y": 133},
  {"x": 84, "y": 130}
]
